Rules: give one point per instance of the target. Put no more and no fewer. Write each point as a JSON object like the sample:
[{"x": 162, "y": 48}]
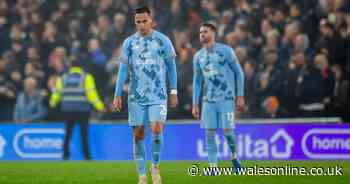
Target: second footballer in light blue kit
[
  {"x": 148, "y": 57},
  {"x": 219, "y": 77}
]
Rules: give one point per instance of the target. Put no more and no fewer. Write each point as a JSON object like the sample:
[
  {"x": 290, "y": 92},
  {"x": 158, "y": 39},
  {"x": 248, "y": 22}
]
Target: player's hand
[
  {"x": 117, "y": 103},
  {"x": 195, "y": 111},
  {"x": 240, "y": 103},
  {"x": 173, "y": 100}
]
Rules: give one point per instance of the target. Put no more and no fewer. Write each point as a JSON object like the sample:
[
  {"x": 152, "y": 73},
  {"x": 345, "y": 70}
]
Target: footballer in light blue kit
[
  {"x": 148, "y": 56},
  {"x": 218, "y": 72}
]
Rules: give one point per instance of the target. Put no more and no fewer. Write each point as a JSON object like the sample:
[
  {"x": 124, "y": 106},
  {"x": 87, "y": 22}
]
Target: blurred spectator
[
  {"x": 302, "y": 44},
  {"x": 249, "y": 69},
  {"x": 57, "y": 59},
  {"x": 331, "y": 43},
  {"x": 18, "y": 52},
  {"x": 225, "y": 25},
  {"x": 61, "y": 16},
  {"x": 7, "y": 93},
  {"x": 242, "y": 54},
  {"x": 29, "y": 105},
  {"x": 17, "y": 33},
  {"x": 178, "y": 16},
  {"x": 86, "y": 12},
  {"x": 97, "y": 61},
  {"x": 295, "y": 12},
  {"x": 76, "y": 37},
  {"x": 181, "y": 40},
  {"x": 97, "y": 56},
  {"x": 262, "y": 88},
  {"x": 33, "y": 56},
  {"x": 291, "y": 31},
  {"x": 119, "y": 30},
  {"x": 34, "y": 66},
  {"x": 106, "y": 7},
  {"x": 184, "y": 74},
  {"x": 265, "y": 27},
  {"x": 103, "y": 31},
  {"x": 269, "y": 71},
  {"x": 50, "y": 39},
  {"x": 341, "y": 94},
  {"x": 272, "y": 108},
  {"x": 31, "y": 71},
  {"x": 307, "y": 97},
  {"x": 321, "y": 63},
  {"x": 4, "y": 31},
  {"x": 4, "y": 27},
  {"x": 231, "y": 39},
  {"x": 279, "y": 18},
  {"x": 243, "y": 35},
  {"x": 345, "y": 32},
  {"x": 210, "y": 12},
  {"x": 272, "y": 40},
  {"x": 12, "y": 70}
]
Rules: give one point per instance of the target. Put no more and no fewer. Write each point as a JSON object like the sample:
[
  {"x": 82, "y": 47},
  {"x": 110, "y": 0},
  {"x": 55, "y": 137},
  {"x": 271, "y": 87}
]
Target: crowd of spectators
[{"x": 295, "y": 53}]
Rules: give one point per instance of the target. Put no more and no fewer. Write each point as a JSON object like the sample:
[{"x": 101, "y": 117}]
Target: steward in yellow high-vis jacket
[{"x": 76, "y": 94}]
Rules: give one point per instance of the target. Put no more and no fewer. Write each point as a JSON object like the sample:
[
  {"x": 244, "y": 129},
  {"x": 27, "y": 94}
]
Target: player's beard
[
  {"x": 144, "y": 31},
  {"x": 204, "y": 40}
]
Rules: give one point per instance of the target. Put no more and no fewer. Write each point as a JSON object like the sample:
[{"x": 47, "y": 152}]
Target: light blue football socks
[
  {"x": 229, "y": 136},
  {"x": 230, "y": 139},
  {"x": 157, "y": 143},
  {"x": 140, "y": 156},
  {"x": 211, "y": 147}
]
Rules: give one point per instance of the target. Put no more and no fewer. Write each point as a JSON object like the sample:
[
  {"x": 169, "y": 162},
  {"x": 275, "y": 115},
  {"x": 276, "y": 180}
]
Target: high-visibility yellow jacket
[{"x": 83, "y": 94}]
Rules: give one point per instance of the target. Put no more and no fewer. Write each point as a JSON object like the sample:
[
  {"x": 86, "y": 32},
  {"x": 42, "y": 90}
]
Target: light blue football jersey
[
  {"x": 149, "y": 61},
  {"x": 220, "y": 73}
]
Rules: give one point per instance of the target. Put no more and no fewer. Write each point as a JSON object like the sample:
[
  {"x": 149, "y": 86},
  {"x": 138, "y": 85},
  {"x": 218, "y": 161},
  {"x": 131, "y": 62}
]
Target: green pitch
[{"x": 109, "y": 172}]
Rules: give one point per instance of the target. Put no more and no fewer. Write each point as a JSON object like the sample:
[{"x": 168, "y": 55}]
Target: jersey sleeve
[
  {"x": 169, "y": 50},
  {"x": 169, "y": 57},
  {"x": 237, "y": 70},
  {"x": 123, "y": 67},
  {"x": 197, "y": 81},
  {"x": 126, "y": 52},
  {"x": 122, "y": 76}
]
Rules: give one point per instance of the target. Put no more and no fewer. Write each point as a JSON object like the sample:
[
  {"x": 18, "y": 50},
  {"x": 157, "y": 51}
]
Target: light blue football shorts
[
  {"x": 145, "y": 114},
  {"x": 218, "y": 115}
]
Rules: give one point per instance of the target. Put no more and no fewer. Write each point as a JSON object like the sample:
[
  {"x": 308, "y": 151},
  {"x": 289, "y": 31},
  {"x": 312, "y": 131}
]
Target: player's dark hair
[
  {"x": 143, "y": 9},
  {"x": 210, "y": 26}
]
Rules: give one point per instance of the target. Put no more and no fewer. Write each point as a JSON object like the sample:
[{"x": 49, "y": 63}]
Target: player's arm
[
  {"x": 196, "y": 86},
  {"x": 121, "y": 79},
  {"x": 171, "y": 72},
  {"x": 122, "y": 76},
  {"x": 169, "y": 57},
  {"x": 239, "y": 78}
]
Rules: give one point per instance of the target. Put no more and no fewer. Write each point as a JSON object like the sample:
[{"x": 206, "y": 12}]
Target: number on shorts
[
  {"x": 164, "y": 110},
  {"x": 230, "y": 116}
]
